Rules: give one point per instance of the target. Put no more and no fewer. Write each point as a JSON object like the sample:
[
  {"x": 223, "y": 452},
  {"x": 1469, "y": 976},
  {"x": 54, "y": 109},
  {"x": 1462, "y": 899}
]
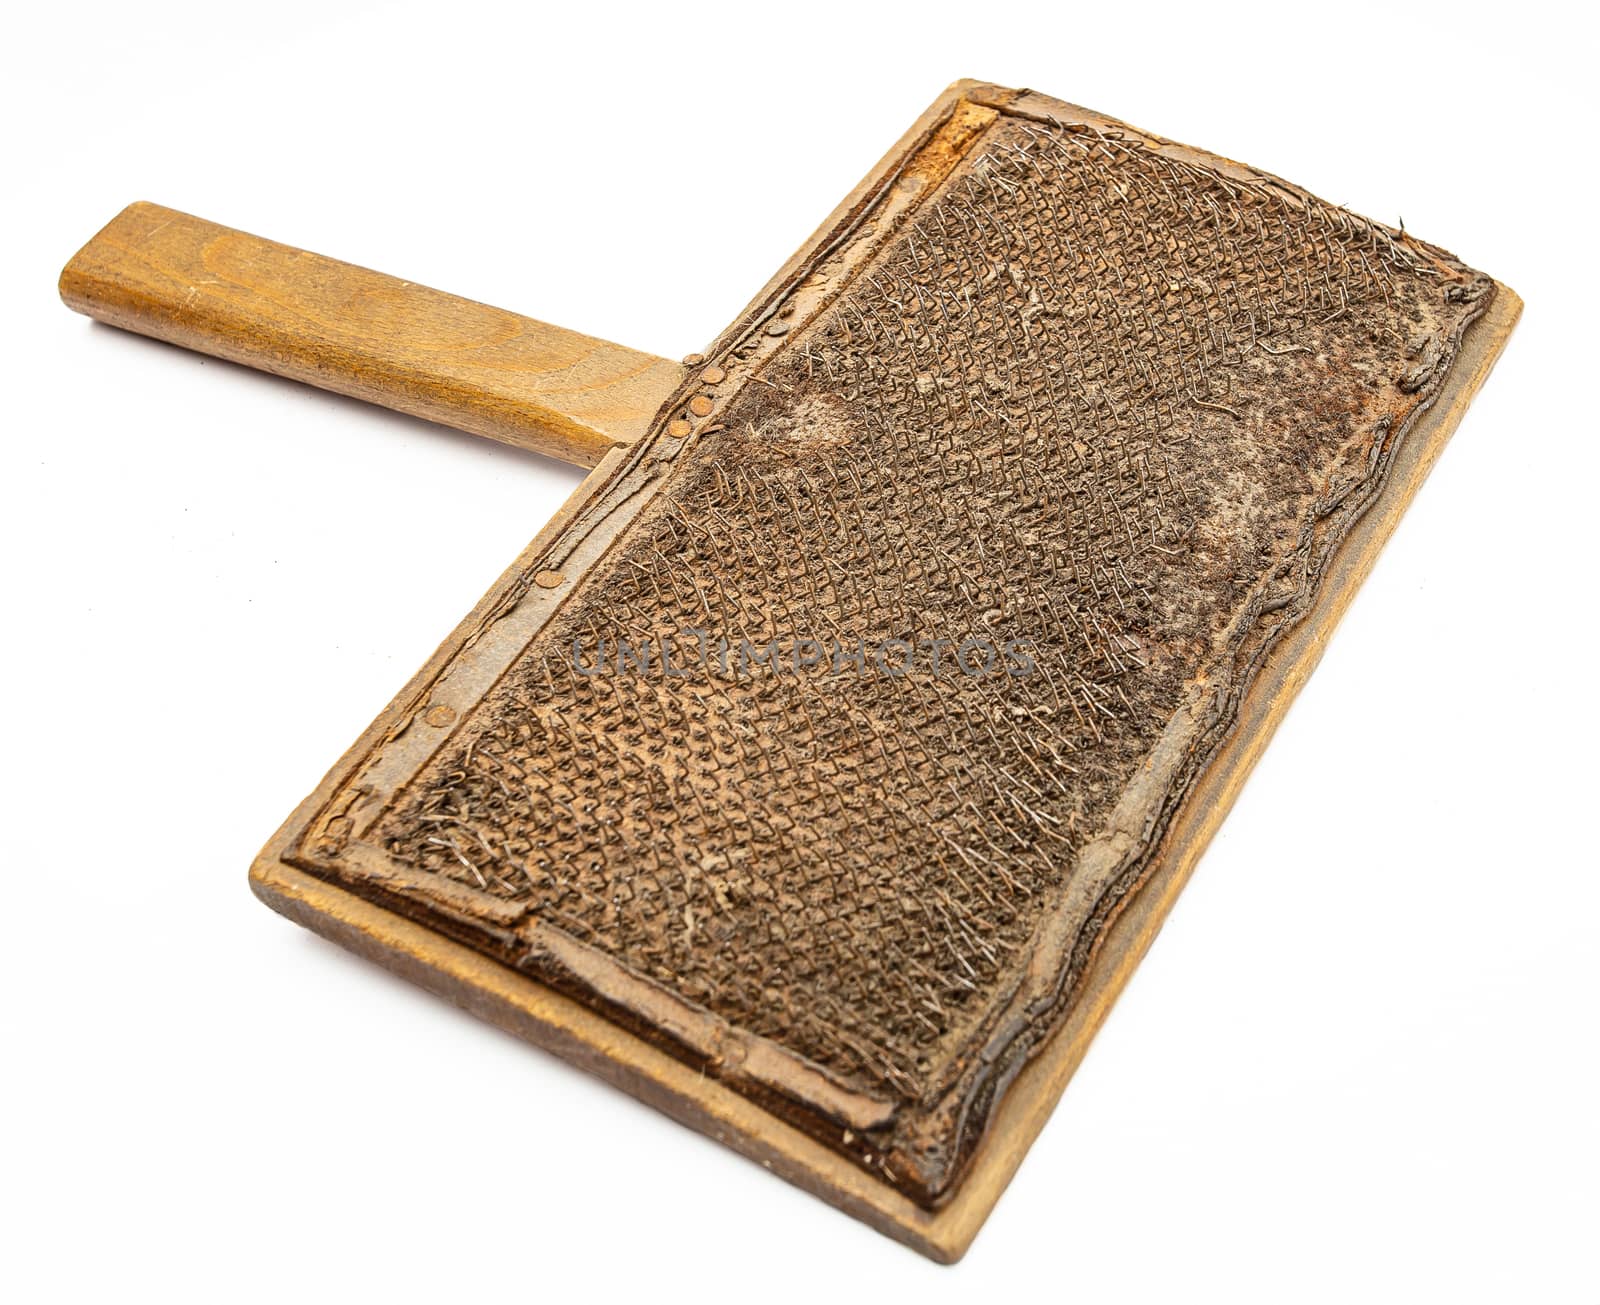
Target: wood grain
[{"x": 344, "y": 328}]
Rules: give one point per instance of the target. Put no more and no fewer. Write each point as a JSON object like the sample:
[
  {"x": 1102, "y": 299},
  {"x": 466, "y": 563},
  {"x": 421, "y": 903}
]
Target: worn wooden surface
[{"x": 357, "y": 332}]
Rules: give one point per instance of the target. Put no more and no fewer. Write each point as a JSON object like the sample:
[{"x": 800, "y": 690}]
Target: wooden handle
[{"x": 283, "y": 310}]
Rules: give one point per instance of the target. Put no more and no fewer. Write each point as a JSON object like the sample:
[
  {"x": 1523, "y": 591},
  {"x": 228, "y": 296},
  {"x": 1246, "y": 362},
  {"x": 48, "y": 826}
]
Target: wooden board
[{"x": 1266, "y": 466}]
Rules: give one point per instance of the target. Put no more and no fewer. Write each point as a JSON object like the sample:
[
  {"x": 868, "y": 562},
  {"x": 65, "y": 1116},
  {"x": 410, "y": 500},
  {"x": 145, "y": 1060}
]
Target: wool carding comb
[{"x": 821, "y": 772}]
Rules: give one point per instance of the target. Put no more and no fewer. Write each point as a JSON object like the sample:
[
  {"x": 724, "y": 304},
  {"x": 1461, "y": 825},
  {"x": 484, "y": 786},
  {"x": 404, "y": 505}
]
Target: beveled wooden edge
[{"x": 530, "y": 1010}]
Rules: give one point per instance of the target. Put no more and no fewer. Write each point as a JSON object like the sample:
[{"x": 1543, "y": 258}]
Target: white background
[{"x": 1360, "y": 1063}]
